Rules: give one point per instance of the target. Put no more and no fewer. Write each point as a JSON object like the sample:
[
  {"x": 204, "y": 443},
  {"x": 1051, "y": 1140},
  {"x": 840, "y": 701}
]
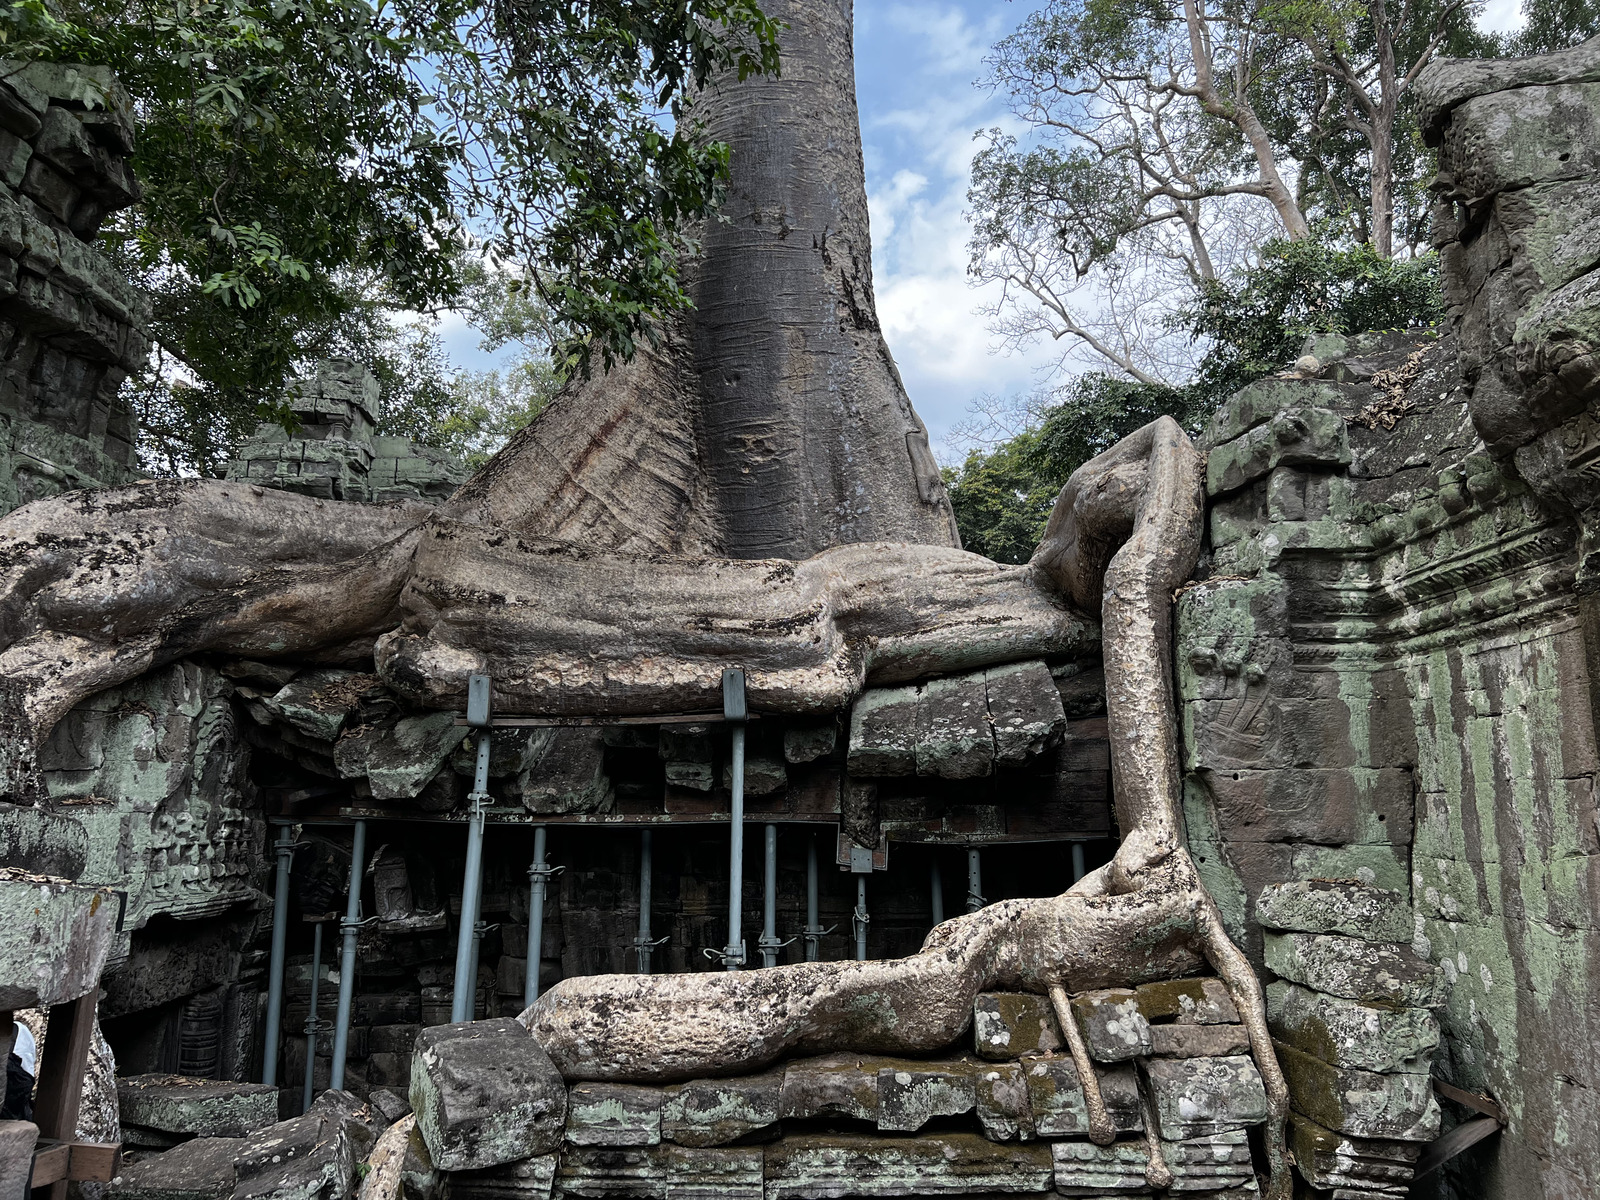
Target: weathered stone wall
[
  {"x": 70, "y": 324},
  {"x": 1385, "y": 677},
  {"x": 335, "y": 452}
]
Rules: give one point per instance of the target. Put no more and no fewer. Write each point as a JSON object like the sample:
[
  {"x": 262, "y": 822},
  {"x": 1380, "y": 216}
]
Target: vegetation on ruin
[
  {"x": 1200, "y": 187},
  {"x": 312, "y": 167}
]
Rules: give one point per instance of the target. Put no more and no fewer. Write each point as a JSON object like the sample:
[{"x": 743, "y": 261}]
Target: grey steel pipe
[
  {"x": 643, "y": 943},
  {"x": 769, "y": 943},
  {"x": 313, "y": 1026},
  {"x": 862, "y": 920},
  {"x": 347, "y": 960},
  {"x": 936, "y": 891},
  {"x": 975, "y": 899},
  {"x": 280, "y": 938},
  {"x": 1077, "y": 861},
  {"x": 466, "y": 985},
  {"x": 735, "y": 711},
  {"x": 813, "y": 930},
  {"x": 538, "y": 879}
]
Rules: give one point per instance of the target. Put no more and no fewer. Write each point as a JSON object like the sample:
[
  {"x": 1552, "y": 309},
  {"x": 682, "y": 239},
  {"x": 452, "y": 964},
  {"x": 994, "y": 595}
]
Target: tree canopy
[{"x": 311, "y": 167}]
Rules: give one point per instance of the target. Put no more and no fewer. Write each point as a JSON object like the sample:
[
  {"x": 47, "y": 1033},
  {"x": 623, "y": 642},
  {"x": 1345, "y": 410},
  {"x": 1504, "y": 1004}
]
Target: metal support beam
[
  {"x": 769, "y": 943},
  {"x": 1077, "y": 861},
  {"x": 813, "y": 931},
  {"x": 313, "y": 1026},
  {"x": 539, "y": 875},
  {"x": 463, "y": 996},
  {"x": 736, "y": 712},
  {"x": 280, "y": 938},
  {"x": 975, "y": 899},
  {"x": 860, "y": 918},
  {"x": 936, "y": 891},
  {"x": 643, "y": 945},
  {"x": 347, "y": 960}
]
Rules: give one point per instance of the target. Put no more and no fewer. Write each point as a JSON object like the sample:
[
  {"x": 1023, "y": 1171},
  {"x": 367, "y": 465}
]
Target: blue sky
[{"x": 916, "y": 63}]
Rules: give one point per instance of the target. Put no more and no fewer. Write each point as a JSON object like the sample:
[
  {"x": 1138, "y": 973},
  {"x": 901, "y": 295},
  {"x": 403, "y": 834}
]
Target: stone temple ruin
[{"x": 1244, "y": 841}]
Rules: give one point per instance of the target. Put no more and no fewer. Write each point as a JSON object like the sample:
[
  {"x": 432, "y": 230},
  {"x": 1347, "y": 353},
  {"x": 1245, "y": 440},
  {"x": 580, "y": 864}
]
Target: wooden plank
[
  {"x": 93, "y": 1161},
  {"x": 62, "y": 1066},
  {"x": 1472, "y": 1100},
  {"x": 1095, "y": 728},
  {"x": 1442, "y": 1150},
  {"x": 50, "y": 1162}
]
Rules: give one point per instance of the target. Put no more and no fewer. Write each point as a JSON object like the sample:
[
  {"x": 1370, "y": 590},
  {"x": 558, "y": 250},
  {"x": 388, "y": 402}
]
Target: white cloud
[{"x": 919, "y": 112}]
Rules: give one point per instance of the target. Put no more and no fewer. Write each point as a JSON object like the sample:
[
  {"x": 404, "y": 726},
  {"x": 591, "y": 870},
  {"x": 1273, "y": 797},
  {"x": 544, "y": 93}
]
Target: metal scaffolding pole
[
  {"x": 538, "y": 880},
  {"x": 1077, "y": 861},
  {"x": 861, "y": 919},
  {"x": 347, "y": 960},
  {"x": 975, "y": 899},
  {"x": 313, "y": 1026},
  {"x": 769, "y": 943},
  {"x": 735, "y": 710},
  {"x": 280, "y": 937},
  {"x": 643, "y": 943},
  {"x": 936, "y": 891},
  {"x": 463, "y": 996},
  {"x": 813, "y": 931}
]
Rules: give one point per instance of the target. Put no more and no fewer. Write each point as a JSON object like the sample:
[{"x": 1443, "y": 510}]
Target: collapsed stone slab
[
  {"x": 175, "y": 1104},
  {"x": 55, "y": 937},
  {"x": 1344, "y": 906}
]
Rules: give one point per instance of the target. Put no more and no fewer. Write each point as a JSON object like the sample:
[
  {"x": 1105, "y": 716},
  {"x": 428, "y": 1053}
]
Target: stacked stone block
[
  {"x": 335, "y": 453},
  {"x": 1008, "y": 1117},
  {"x": 1352, "y": 1019},
  {"x": 71, "y": 328}
]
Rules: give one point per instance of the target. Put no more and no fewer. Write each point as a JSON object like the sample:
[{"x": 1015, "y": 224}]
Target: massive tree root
[{"x": 1146, "y": 915}]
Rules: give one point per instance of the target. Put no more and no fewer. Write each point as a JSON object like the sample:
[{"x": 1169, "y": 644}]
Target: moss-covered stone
[
  {"x": 1347, "y": 1033},
  {"x": 1008, "y": 1025},
  {"x": 1345, "y": 906},
  {"x": 1361, "y": 1103},
  {"x": 1356, "y": 969}
]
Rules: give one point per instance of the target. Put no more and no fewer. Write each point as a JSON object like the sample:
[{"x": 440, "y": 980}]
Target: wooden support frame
[
  {"x": 54, "y": 1162},
  {"x": 62, "y": 1066}
]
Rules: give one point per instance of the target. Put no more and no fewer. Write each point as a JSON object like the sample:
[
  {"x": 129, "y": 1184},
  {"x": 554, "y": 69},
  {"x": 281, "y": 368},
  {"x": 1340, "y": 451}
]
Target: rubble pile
[{"x": 1352, "y": 1021}]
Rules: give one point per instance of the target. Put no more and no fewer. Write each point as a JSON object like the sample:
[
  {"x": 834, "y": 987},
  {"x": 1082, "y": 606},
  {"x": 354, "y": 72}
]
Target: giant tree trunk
[{"x": 772, "y": 423}]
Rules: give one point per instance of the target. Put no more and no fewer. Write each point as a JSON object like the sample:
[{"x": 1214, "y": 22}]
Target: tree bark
[{"x": 773, "y": 422}]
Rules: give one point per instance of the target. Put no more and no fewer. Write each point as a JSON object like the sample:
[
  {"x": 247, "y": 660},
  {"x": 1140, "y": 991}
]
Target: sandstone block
[
  {"x": 719, "y": 1173},
  {"x": 54, "y": 938},
  {"x": 807, "y": 743},
  {"x": 403, "y": 758},
  {"x": 631, "y": 1173},
  {"x": 485, "y": 1093},
  {"x": 764, "y": 775},
  {"x": 17, "y": 1140},
  {"x": 525, "y": 1179},
  {"x": 1333, "y": 1160},
  {"x": 909, "y": 1098},
  {"x": 883, "y": 732},
  {"x": 613, "y": 1114},
  {"x": 1295, "y": 437},
  {"x": 1113, "y": 1027},
  {"x": 1001, "y": 1099},
  {"x": 201, "y": 1169},
  {"x": 835, "y": 1085},
  {"x": 1363, "y": 1104},
  {"x": 714, "y": 1112},
  {"x": 1198, "y": 1041},
  {"x": 1213, "y": 1163},
  {"x": 1026, "y": 716},
  {"x": 1193, "y": 1097},
  {"x": 1056, "y": 1098},
  {"x": 1203, "y": 1001},
  {"x": 1084, "y": 1169},
  {"x": 802, "y": 1166},
  {"x": 1346, "y": 1033},
  {"x": 310, "y": 1157},
  {"x": 1345, "y": 906},
  {"x": 1007, "y": 1025},
  {"x": 175, "y": 1104},
  {"x": 954, "y": 738},
  {"x": 1355, "y": 969}
]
